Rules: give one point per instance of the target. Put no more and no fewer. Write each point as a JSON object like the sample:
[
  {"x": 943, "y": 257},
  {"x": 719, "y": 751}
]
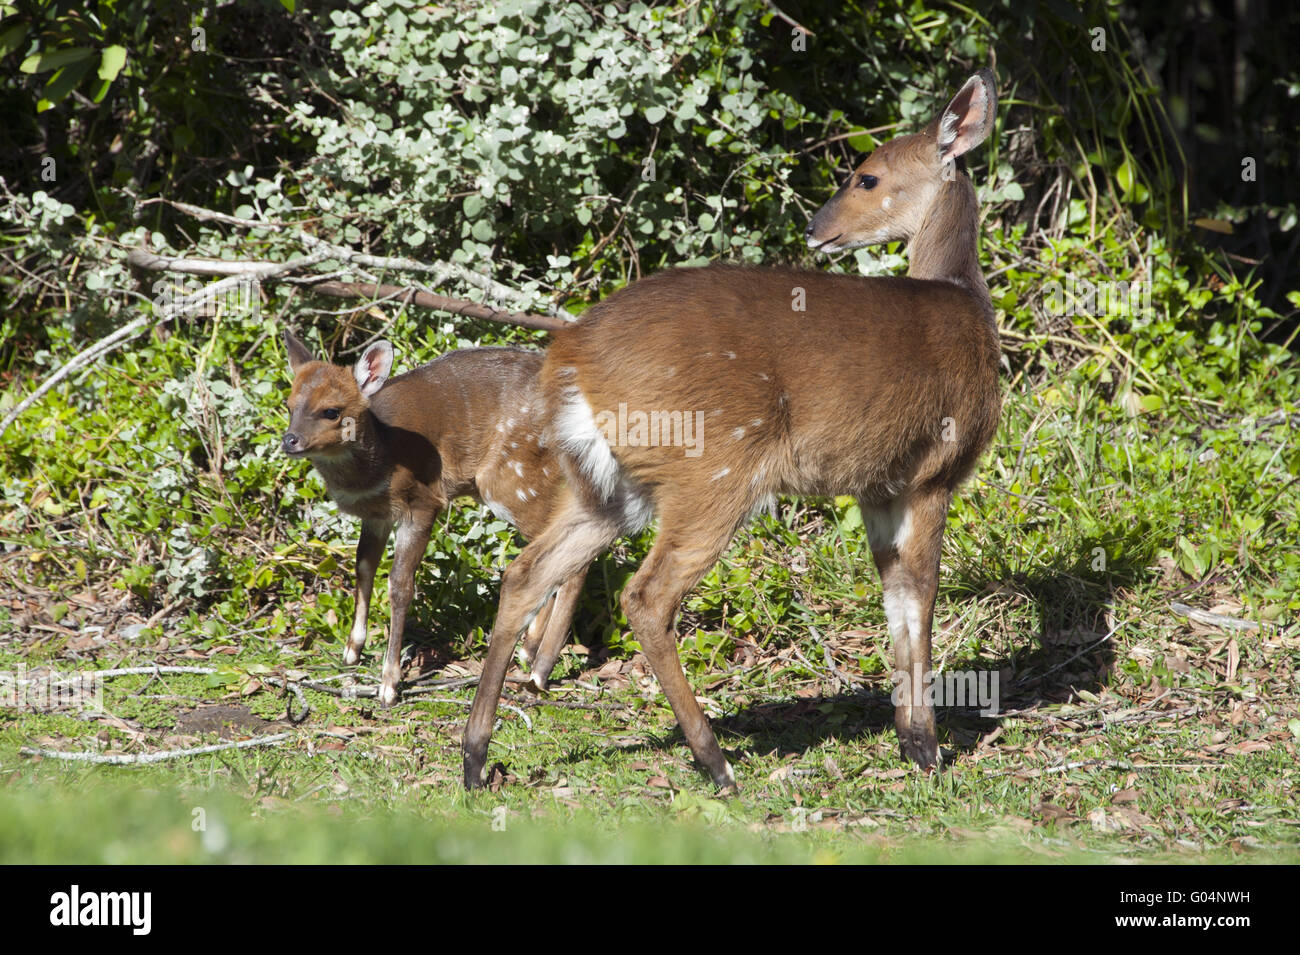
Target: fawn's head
[
  {"x": 888, "y": 197},
  {"x": 328, "y": 400}
]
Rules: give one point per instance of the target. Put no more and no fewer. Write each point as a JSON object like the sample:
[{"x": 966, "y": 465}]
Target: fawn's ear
[
  {"x": 968, "y": 118},
  {"x": 371, "y": 370},
  {"x": 298, "y": 353}
]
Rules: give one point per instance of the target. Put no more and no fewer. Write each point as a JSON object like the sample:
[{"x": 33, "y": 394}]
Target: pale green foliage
[{"x": 496, "y": 135}]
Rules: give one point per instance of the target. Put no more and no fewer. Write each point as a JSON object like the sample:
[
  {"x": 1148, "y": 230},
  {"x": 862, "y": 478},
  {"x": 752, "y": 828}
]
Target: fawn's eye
[
  {"x": 867, "y": 182},
  {"x": 331, "y": 413}
]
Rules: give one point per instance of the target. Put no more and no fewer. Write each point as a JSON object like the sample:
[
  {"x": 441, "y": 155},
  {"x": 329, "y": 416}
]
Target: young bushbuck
[
  {"x": 806, "y": 383},
  {"x": 395, "y": 452}
]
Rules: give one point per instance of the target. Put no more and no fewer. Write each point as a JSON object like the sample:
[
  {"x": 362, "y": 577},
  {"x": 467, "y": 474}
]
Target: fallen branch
[
  {"x": 128, "y": 760},
  {"x": 1222, "y": 621},
  {"x": 406, "y": 295},
  {"x": 1094, "y": 763},
  {"x": 440, "y": 270}
]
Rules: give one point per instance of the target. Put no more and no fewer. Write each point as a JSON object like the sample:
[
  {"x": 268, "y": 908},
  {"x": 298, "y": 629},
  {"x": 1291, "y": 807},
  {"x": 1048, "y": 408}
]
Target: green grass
[{"x": 149, "y": 519}]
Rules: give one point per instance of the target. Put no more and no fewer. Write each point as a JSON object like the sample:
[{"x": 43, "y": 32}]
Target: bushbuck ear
[
  {"x": 372, "y": 369},
  {"x": 298, "y": 353},
  {"x": 968, "y": 119}
]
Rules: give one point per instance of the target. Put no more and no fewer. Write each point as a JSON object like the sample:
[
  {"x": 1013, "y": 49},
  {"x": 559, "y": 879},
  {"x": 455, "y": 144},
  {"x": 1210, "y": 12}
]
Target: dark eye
[
  {"x": 331, "y": 413},
  {"x": 867, "y": 182}
]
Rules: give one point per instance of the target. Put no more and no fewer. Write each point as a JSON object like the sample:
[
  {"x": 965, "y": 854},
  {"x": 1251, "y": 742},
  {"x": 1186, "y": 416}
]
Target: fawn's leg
[
  {"x": 682, "y": 554},
  {"x": 567, "y": 546},
  {"x": 557, "y": 629},
  {"x": 906, "y": 537},
  {"x": 408, "y": 551},
  {"x": 370, "y": 551},
  {"x": 531, "y": 642}
]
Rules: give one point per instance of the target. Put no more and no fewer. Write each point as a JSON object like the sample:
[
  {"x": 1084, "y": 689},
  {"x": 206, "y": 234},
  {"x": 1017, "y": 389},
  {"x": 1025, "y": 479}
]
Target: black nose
[
  {"x": 808, "y": 230},
  {"x": 290, "y": 442}
]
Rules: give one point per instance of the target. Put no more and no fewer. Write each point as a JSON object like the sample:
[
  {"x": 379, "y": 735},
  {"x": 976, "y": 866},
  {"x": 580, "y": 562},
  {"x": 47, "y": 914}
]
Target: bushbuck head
[
  {"x": 328, "y": 400},
  {"x": 887, "y": 198}
]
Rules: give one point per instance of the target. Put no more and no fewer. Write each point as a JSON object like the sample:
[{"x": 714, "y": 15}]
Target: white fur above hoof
[
  {"x": 387, "y": 694},
  {"x": 351, "y": 655}
]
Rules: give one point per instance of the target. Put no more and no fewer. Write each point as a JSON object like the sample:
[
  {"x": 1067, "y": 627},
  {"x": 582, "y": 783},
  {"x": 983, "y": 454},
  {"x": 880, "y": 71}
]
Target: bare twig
[
  {"x": 325, "y": 285},
  {"x": 441, "y": 270},
  {"x": 1222, "y": 621},
  {"x": 127, "y": 760}
]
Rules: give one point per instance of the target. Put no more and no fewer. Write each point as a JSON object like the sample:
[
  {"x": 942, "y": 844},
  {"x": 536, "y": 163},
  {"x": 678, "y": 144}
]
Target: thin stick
[
  {"x": 1100, "y": 763},
  {"x": 128, "y": 760},
  {"x": 151, "y": 261},
  {"x": 441, "y": 269}
]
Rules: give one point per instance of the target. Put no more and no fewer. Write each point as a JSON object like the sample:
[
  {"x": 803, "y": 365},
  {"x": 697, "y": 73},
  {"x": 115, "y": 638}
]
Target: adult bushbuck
[
  {"x": 807, "y": 383},
  {"x": 395, "y": 452}
]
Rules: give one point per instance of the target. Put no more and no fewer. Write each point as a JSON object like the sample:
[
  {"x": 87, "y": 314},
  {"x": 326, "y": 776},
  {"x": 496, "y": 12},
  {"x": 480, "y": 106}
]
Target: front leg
[
  {"x": 412, "y": 539},
  {"x": 370, "y": 551}
]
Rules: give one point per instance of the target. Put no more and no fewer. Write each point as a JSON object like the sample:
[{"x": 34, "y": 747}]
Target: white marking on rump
[{"x": 576, "y": 433}]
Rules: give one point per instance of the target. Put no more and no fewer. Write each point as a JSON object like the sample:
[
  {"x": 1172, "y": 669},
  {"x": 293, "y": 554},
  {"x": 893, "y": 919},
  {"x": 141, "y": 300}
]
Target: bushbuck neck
[
  {"x": 395, "y": 453},
  {"x": 945, "y": 246},
  {"x": 803, "y": 383}
]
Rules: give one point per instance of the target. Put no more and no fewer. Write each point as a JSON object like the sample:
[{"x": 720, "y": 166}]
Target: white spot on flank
[
  {"x": 721, "y": 474},
  {"x": 501, "y": 428},
  {"x": 518, "y": 468},
  {"x": 514, "y": 444},
  {"x": 532, "y": 492},
  {"x": 764, "y": 375},
  {"x": 738, "y": 433},
  {"x": 729, "y": 354},
  {"x": 546, "y": 472},
  {"x": 672, "y": 370},
  {"x": 510, "y": 422},
  {"x": 756, "y": 422},
  {"x": 715, "y": 412},
  {"x": 519, "y": 493}
]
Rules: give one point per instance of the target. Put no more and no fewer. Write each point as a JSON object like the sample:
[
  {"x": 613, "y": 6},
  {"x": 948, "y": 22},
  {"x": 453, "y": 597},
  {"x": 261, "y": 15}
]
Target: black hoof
[{"x": 920, "y": 749}]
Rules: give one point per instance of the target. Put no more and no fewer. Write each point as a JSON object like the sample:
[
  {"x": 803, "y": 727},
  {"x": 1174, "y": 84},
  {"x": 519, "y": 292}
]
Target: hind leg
[
  {"x": 682, "y": 554},
  {"x": 555, "y": 632},
  {"x": 565, "y": 549}
]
